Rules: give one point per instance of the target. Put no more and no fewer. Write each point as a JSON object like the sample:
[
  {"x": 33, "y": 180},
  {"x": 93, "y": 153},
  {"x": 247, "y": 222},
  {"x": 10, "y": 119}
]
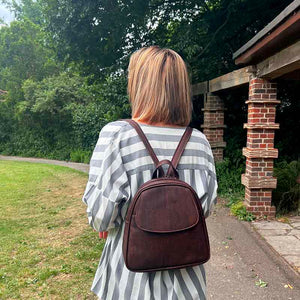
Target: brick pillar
[
  {"x": 260, "y": 152},
  {"x": 213, "y": 126}
]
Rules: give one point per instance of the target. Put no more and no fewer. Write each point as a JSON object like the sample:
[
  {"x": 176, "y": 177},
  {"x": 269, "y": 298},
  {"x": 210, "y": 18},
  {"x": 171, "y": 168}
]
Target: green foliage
[
  {"x": 101, "y": 35},
  {"x": 23, "y": 55},
  {"x": 95, "y": 36},
  {"x": 6, "y": 122},
  {"x": 49, "y": 106},
  {"x": 287, "y": 115},
  {"x": 80, "y": 156},
  {"x": 109, "y": 103},
  {"x": 238, "y": 209},
  {"x": 286, "y": 196},
  {"x": 261, "y": 283},
  {"x": 61, "y": 114},
  {"x": 229, "y": 177},
  {"x": 233, "y": 198},
  {"x": 233, "y": 150},
  {"x": 229, "y": 173},
  {"x": 30, "y": 9}
]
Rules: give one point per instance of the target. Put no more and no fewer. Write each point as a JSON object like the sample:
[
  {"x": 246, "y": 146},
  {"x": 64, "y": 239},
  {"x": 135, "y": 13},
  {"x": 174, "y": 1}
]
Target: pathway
[
  {"x": 73, "y": 165},
  {"x": 240, "y": 258}
]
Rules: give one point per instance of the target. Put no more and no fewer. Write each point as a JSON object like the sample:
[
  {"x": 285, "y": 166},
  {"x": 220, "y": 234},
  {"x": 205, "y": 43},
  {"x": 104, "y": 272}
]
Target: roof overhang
[
  {"x": 282, "y": 63},
  {"x": 283, "y": 31}
]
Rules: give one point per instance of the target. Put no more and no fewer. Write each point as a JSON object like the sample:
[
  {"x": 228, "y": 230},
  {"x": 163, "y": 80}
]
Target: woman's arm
[
  {"x": 108, "y": 187},
  {"x": 212, "y": 183}
]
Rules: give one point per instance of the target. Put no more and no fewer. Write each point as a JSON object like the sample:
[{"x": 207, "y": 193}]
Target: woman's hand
[{"x": 103, "y": 234}]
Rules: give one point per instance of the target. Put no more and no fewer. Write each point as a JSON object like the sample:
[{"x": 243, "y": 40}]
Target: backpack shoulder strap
[
  {"x": 180, "y": 148},
  {"x": 144, "y": 139},
  {"x": 178, "y": 152}
]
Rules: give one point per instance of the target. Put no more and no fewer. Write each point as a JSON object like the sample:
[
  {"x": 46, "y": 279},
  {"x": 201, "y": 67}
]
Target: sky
[{"x": 5, "y": 14}]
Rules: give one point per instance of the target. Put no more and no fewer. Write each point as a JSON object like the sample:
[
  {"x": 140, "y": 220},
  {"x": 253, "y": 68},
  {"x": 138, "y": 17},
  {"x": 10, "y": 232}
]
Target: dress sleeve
[
  {"x": 212, "y": 183},
  {"x": 212, "y": 194},
  {"x": 108, "y": 187}
]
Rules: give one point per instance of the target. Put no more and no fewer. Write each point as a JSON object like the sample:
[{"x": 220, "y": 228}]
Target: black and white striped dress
[{"x": 119, "y": 165}]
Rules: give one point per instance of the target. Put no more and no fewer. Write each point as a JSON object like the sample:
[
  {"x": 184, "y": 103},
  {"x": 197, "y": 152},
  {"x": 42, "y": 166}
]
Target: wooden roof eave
[
  {"x": 278, "y": 34},
  {"x": 279, "y": 64}
]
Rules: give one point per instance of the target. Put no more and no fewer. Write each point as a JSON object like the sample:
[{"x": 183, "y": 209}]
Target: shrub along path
[{"x": 242, "y": 264}]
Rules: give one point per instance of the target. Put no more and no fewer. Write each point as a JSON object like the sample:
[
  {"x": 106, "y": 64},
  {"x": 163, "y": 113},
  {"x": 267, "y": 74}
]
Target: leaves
[
  {"x": 23, "y": 55},
  {"x": 238, "y": 209},
  {"x": 261, "y": 283}
]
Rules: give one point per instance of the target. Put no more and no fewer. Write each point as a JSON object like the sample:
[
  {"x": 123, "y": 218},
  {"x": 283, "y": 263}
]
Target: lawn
[{"x": 47, "y": 249}]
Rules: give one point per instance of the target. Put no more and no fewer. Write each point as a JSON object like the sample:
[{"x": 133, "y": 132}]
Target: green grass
[{"x": 47, "y": 249}]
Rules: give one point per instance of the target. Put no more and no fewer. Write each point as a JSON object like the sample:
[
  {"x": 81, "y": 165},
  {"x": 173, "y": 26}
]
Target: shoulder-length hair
[{"x": 158, "y": 87}]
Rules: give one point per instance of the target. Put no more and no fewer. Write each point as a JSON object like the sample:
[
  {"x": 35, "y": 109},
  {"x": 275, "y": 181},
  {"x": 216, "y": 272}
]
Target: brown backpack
[{"x": 165, "y": 227}]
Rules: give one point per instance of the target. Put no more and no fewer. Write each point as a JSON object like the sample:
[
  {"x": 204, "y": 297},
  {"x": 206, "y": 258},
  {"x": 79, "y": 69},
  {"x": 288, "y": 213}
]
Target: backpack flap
[{"x": 162, "y": 210}]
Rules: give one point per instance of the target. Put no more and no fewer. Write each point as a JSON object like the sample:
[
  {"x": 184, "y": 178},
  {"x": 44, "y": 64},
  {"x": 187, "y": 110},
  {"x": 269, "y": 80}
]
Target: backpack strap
[
  {"x": 180, "y": 148},
  {"x": 178, "y": 152},
  {"x": 140, "y": 132},
  {"x": 144, "y": 139}
]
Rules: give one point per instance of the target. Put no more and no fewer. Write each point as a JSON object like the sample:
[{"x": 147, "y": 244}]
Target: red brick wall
[
  {"x": 259, "y": 151},
  {"x": 213, "y": 126}
]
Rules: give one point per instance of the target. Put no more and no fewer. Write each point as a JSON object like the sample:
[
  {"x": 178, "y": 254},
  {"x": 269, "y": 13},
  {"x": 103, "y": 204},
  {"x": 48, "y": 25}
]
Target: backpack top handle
[
  {"x": 173, "y": 172},
  {"x": 178, "y": 152}
]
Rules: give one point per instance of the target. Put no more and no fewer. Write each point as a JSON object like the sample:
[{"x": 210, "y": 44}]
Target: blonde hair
[{"x": 158, "y": 87}]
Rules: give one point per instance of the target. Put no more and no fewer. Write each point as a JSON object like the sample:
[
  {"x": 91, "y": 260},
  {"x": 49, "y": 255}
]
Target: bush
[
  {"x": 80, "y": 156},
  {"x": 229, "y": 178},
  {"x": 286, "y": 197},
  {"x": 238, "y": 209}
]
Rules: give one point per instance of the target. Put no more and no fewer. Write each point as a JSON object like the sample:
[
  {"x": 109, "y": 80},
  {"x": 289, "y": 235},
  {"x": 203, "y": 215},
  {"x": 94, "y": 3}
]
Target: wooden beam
[
  {"x": 229, "y": 80},
  {"x": 285, "y": 61},
  {"x": 200, "y": 88}
]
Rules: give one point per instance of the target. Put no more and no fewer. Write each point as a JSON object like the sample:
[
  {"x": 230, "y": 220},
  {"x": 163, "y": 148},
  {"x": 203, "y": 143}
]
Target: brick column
[
  {"x": 260, "y": 152},
  {"x": 213, "y": 126}
]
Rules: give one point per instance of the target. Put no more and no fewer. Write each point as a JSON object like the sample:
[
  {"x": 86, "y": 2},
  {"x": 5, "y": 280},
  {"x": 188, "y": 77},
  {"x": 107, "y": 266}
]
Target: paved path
[
  {"x": 242, "y": 253},
  {"x": 283, "y": 237},
  {"x": 240, "y": 258},
  {"x": 73, "y": 165}
]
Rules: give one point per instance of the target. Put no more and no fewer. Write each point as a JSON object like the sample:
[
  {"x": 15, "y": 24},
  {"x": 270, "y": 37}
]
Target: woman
[{"x": 159, "y": 93}]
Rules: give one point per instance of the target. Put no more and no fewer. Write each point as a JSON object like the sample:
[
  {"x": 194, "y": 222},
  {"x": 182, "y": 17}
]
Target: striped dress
[{"x": 119, "y": 165}]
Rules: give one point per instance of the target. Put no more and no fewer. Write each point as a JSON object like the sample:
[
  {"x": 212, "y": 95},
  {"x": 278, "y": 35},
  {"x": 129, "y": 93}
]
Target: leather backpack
[{"x": 164, "y": 226}]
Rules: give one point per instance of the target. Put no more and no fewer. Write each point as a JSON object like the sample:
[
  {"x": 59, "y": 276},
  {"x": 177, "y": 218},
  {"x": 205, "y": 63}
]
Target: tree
[
  {"x": 23, "y": 55},
  {"x": 26, "y": 9},
  {"x": 102, "y": 34}
]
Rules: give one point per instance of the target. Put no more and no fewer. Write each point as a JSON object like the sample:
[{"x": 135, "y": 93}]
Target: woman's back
[{"x": 119, "y": 165}]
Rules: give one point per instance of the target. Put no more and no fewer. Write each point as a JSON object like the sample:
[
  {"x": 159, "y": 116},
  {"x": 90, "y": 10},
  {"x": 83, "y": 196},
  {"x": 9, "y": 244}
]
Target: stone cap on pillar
[
  {"x": 261, "y": 125},
  {"x": 260, "y": 152},
  {"x": 254, "y": 182},
  {"x": 264, "y": 100},
  {"x": 214, "y": 109},
  {"x": 218, "y": 144},
  {"x": 213, "y": 126}
]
